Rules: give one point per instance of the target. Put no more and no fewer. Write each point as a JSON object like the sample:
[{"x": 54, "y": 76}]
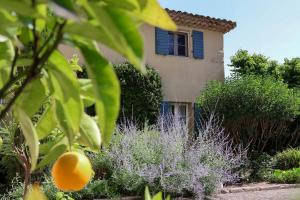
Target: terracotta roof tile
[{"x": 201, "y": 21}]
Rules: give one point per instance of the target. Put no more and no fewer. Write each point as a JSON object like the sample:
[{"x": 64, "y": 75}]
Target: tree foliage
[
  {"x": 291, "y": 72},
  {"x": 34, "y": 71},
  {"x": 243, "y": 63},
  {"x": 256, "y": 110},
  {"x": 141, "y": 95}
]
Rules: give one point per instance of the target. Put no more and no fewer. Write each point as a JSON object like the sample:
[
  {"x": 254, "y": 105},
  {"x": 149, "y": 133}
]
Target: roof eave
[{"x": 201, "y": 21}]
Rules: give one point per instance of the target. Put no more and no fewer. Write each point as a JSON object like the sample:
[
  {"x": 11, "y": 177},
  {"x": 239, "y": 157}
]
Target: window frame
[
  {"x": 176, "y": 113},
  {"x": 175, "y": 43}
]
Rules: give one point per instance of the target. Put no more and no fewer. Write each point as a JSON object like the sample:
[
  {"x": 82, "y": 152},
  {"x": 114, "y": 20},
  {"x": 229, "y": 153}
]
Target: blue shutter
[
  {"x": 198, "y": 45},
  {"x": 161, "y": 41},
  {"x": 197, "y": 117},
  {"x": 165, "y": 108}
]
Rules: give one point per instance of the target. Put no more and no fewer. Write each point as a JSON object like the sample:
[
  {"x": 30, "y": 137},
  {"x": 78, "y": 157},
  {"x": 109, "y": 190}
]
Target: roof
[{"x": 201, "y": 21}]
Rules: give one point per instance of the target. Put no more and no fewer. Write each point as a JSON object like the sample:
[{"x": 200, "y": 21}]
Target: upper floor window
[{"x": 178, "y": 44}]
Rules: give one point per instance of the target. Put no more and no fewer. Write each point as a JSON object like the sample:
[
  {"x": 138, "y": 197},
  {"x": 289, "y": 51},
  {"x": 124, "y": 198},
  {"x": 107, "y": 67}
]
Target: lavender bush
[{"x": 165, "y": 157}]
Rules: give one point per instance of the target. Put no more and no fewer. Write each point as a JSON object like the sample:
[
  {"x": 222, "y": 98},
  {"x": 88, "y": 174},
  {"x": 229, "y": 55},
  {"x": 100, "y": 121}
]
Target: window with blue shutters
[
  {"x": 173, "y": 110},
  {"x": 171, "y": 43},
  {"x": 198, "y": 45},
  {"x": 165, "y": 108},
  {"x": 161, "y": 41}
]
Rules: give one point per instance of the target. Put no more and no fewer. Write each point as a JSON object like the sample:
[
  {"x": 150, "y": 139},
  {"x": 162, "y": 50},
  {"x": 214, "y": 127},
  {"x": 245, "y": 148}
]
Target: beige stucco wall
[{"x": 183, "y": 78}]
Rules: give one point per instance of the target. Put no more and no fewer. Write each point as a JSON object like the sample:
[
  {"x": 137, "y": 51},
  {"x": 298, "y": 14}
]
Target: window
[
  {"x": 178, "y": 44},
  {"x": 179, "y": 111},
  {"x": 182, "y": 112}
]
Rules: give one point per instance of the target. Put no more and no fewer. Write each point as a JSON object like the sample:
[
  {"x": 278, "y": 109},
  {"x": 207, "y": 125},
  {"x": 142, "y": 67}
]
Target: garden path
[{"x": 280, "y": 194}]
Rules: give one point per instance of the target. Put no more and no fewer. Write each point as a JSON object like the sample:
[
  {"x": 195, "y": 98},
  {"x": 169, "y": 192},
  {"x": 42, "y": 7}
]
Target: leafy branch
[{"x": 33, "y": 72}]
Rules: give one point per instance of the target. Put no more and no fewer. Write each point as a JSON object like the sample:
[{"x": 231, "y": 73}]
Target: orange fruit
[{"x": 71, "y": 171}]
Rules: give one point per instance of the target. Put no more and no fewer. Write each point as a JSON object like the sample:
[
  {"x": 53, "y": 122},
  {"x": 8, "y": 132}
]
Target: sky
[{"x": 269, "y": 27}]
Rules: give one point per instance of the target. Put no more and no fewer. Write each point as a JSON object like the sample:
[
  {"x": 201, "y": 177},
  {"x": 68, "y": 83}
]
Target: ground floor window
[{"x": 180, "y": 111}]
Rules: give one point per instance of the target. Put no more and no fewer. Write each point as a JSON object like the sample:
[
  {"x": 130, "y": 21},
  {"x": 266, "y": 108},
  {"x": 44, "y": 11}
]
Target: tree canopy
[{"x": 243, "y": 63}]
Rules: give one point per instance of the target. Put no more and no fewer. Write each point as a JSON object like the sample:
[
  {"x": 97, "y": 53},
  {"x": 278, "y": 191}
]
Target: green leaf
[
  {"x": 30, "y": 135},
  {"x": 4, "y": 72},
  {"x": 46, "y": 123},
  {"x": 65, "y": 88},
  {"x": 74, "y": 63},
  {"x": 124, "y": 4},
  {"x": 7, "y": 54},
  {"x": 106, "y": 90},
  {"x": 52, "y": 155},
  {"x": 87, "y": 92},
  {"x": 121, "y": 27},
  {"x": 56, "y": 140},
  {"x": 90, "y": 31},
  {"x": 18, "y": 6},
  {"x": 153, "y": 14},
  {"x": 67, "y": 4},
  {"x": 7, "y": 51},
  {"x": 142, "y": 3},
  {"x": 9, "y": 24},
  {"x": 35, "y": 192},
  {"x": 147, "y": 194},
  {"x": 158, "y": 196},
  {"x": 26, "y": 35},
  {"x": 64, "y": 8},
  {"x": 6, "y": 19},
  {"x": 132, "y": 36},
  {"x": 32, "y": 98},
  {"x": 23, "y": 62},
  {"x": 41, "y": 22},
  {"x": 89, "y": 133},
  {"x": 64, "y": 115},
  {"x": 114, "y": 28}
]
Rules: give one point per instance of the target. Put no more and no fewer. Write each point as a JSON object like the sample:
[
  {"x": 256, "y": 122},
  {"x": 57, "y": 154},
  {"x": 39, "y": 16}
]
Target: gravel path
[{"x": 282, "y": 194}]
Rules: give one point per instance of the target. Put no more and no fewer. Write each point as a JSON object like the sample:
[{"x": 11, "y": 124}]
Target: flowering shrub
[
  {"x": 166, "y": 159},
  {"x": 162, "y": 157}
]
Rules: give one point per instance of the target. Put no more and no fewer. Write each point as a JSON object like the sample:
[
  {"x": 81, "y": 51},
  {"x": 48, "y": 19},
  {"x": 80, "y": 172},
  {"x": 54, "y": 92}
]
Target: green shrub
[
  {"x": 9, "y": 168},
  {"x": 128, "y": 183},
  {"x": 141, "y": 95},
  {"x": 15, "y": 192},
  {"x": 288, "y": 159},
  {"x": 94, "y": 190},
  {"x": 102, "y": 166},
  {"x": 261, "y": 166},
  {"x": 97, "y": 189},
  {"x": 9, "y": 164},
  {"x": 285, "y": 176},
  {"x": 256, "y": 111}
]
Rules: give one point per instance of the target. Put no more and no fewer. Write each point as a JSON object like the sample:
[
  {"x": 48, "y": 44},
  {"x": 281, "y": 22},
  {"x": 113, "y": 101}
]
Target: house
[{"x": 185, "y": 59}]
